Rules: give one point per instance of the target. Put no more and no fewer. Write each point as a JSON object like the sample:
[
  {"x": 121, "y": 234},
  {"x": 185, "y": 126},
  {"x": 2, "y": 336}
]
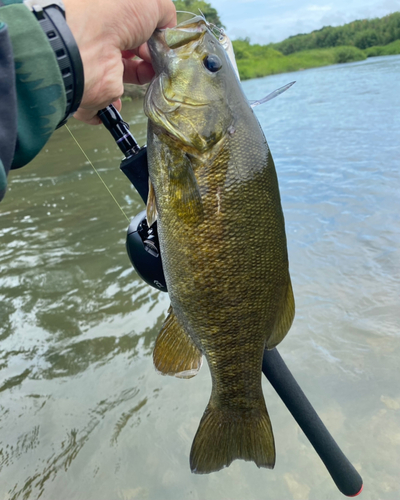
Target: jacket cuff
[{"x": 39, "y": 85}]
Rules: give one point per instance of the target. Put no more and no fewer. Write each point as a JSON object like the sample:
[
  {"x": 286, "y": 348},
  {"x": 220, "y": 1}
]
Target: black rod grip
[
  {"x": 119, "y": 129},
  {"x": 347, "y": 479}
]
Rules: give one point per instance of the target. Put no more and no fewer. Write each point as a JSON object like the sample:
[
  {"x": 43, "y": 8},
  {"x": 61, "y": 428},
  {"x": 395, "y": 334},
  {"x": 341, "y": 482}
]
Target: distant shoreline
[{"x": 271, "y": 61}]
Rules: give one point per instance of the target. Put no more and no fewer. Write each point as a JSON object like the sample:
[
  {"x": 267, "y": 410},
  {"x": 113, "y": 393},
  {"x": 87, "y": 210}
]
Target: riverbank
[{"x": 256, "y": 61}]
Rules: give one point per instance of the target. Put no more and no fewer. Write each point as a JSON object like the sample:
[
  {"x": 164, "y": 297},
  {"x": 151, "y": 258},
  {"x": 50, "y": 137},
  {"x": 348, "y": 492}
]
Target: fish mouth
[
  {"x": 163, "y": 42},
  {"x": 164, "y": 46}
]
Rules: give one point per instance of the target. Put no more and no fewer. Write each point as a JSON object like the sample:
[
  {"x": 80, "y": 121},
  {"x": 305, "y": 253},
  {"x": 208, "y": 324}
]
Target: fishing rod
[{"x": 143, "y": 250}]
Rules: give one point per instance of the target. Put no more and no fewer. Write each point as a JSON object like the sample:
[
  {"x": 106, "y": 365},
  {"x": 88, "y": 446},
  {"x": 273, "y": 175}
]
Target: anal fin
[
  {"x": 174, "y": 352},
  {"x": 284, "y": 318}
]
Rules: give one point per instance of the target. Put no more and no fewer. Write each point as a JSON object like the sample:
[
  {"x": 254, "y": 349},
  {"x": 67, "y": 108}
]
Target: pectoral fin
[
  {"x": 151, "y": 208},
  {"x": 184, "y": 190},
  {"x": 174, "y": 352},
  {"x": 284, "y": 319}
]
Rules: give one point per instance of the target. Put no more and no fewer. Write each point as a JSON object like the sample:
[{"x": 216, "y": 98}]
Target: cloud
[
  {"x": 319, "y": 8},
  {"x": 273, "y": 21},
  {"x": 334, "y": 19},
  {"x": 390, "y": 5}
]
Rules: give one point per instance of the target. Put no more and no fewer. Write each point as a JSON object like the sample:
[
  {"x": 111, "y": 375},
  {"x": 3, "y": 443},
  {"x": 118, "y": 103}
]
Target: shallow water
[{"x": 84, "y": 415}]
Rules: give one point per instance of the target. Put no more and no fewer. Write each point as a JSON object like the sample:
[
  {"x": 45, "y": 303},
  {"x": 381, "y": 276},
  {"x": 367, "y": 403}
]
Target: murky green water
[{"x": 84, "y": 415}]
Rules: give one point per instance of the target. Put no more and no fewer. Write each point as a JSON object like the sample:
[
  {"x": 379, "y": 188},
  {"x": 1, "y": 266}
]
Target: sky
[{"x": 266, "y": 21}]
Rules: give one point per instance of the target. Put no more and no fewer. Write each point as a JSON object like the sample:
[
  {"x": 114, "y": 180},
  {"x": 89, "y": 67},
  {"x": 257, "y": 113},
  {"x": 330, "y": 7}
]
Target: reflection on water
[{"x": 82, "y": 410}]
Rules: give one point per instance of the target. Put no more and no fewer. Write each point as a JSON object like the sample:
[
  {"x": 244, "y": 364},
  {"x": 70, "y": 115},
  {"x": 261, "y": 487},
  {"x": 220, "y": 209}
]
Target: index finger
[{"x": 167, "y": 14}]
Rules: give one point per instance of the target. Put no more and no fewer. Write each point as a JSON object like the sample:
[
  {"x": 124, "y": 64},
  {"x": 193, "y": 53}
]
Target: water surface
[{"x": 84, "y": 415}]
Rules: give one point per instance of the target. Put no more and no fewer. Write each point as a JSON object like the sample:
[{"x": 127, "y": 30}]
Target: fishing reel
[
  {"x": 143, "y": 250},
  {"x": 142, "y": 244}
]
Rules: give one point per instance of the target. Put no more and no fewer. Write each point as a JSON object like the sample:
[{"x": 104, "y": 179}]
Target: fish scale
[{"x": 222, "y": 242}]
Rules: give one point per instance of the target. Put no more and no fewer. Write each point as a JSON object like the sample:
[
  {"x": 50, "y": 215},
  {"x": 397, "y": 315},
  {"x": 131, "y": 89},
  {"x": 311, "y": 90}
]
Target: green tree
[
  {"x": 366, "y": 38},
  {"x": 242, "y": 48},
  {"x": 196, "y": 6},
  {"x": 363, "y": 34}
]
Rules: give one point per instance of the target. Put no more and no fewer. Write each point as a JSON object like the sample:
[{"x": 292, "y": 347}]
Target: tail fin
[{"x": 227, "y": 434}]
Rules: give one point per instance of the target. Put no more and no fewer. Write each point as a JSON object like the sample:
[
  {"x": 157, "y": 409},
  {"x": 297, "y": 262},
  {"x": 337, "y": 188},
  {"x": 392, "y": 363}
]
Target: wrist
[
  {"x": 51, "y": 17},
  {"x": 98, "y": 46}
]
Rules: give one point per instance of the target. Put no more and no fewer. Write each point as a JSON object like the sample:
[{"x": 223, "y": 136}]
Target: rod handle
[{"x": 343, "y": 473}]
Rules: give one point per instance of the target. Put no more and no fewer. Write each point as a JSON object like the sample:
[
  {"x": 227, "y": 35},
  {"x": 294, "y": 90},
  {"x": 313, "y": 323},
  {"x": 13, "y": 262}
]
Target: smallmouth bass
[{"x": 215, "y": 194}]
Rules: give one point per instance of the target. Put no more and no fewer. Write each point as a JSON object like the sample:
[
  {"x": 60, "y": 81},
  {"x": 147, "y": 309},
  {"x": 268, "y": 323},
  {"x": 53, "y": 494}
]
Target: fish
[{"x": 214, "y": 193}]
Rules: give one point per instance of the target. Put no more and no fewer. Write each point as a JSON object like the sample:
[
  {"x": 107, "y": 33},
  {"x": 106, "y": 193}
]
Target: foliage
[
  {"x": 352, "y": 42},
  {"x": 244, "y": 50},
  {"x": 362, "y": 34},
  {"x": 196, "y": 6},
  {"x": 366, "y": 38},
  {"x": 348, "y": 53},
  {"x": 386, "y": 50},
  {"x": 260, "y": 60},
  {"x": 275, "y": 62}
]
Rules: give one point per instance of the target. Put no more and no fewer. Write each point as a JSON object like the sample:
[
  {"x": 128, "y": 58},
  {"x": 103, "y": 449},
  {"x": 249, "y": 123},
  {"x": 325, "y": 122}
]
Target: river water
[{"x": 84, "y": 415}]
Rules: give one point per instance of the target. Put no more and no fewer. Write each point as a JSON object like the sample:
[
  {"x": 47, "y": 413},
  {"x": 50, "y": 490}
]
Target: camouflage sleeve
[
  {"x": 38, "y": 87},
  {"x": 8, "y": 108}
]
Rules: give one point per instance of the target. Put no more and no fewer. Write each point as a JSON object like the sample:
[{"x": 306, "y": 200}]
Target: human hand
[{"x": 109, "y": 33}]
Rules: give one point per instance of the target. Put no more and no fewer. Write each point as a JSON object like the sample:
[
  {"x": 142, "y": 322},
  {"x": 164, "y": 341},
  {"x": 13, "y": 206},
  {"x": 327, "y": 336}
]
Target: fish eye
[{"x": 212, "y": 62}]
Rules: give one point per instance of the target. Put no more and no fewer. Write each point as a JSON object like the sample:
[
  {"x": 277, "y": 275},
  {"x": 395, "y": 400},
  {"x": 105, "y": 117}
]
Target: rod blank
[{"x": 347, "y": 479}]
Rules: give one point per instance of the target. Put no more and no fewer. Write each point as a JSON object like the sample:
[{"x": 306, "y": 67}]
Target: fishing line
[{"x": 100, "y": 177}]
